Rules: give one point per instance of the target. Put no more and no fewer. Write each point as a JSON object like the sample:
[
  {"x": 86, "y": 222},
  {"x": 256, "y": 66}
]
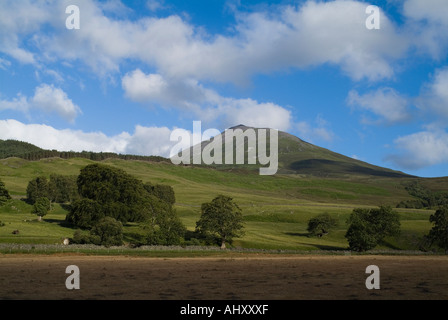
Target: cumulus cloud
[
  {"x": 19, "y": 19},
  {"x": 19, "y": 103},
  {"x": 428, "y": 25},
  {"x": 143, "y": 141},
  {"x": 311, "y": 34},
  {"x": 434, "y": 96},
  {"x": 421, "y": 149},
  {"x": 206, "y": 104},
  {"x": 46, "y": 98},
  {"x": 386, "y": 103},
  {"x": 51, "y": 99}
]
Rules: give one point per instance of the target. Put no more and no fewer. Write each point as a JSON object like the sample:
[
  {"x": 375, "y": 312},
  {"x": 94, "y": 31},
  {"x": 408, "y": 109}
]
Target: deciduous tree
[
  {"x": 368, "y": 227},
  {"x": 438, "y": 234},
  {"x": 221, "y": 217}
]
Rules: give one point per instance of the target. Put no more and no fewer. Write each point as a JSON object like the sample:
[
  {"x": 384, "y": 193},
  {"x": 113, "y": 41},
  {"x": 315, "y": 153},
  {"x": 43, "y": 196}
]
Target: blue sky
[{"x": 136, "y": 70}]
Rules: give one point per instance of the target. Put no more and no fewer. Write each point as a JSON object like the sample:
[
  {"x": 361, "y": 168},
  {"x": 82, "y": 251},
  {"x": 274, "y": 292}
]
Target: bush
[{"x": 321, "y": 224}]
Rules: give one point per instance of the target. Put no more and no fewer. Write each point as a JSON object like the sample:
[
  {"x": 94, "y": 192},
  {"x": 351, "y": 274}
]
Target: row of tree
[
  {"x": 423, "y": 197},
  {"x": 368, "y": 227},
  {"x": 28, "y": 151},
  {"x": 94, "y": 156}
]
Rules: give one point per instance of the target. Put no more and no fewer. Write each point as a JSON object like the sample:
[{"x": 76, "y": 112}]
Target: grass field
[{"x": 276, "y": 209}]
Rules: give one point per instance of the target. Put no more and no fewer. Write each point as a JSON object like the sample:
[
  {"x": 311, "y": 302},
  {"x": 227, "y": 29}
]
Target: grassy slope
[{"x": 276, "y": 208}]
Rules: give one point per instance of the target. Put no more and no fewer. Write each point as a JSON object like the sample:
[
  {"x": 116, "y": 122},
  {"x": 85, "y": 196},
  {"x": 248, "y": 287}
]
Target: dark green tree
[
  {"x": 41, "y": 207},
  {"x": 321, "y": 224},
  {"x": 165, "y": 228},
  {"x": 4, "y": 194},
  {"x": 85, "y": 213},
  {"x": 37, "y": 188},
  {"x": 222, "y": 218},
  {"x": 108, "y": 232},
  {"x": 438, "y": 234},
  {"x": 161, "y": 191},
  {"x": 124, "y": 196},
  {"x": 62, "y": 189},
  {"x": 368, "y": 227},
  {"x": 111, "y": 192},
  {"x": 106, "y": 184}
]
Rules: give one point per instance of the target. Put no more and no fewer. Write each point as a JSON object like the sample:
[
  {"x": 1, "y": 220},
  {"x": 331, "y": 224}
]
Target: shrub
[{"x": 321, "y": 224}]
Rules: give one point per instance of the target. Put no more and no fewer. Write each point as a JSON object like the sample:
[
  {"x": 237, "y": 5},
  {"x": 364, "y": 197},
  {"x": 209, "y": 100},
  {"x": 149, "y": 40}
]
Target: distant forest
[{"x": 28, "y": 151}]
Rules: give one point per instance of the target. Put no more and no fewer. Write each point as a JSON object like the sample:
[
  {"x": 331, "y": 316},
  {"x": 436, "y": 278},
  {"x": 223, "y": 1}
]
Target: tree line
[
  {"x": 27, "y": 151},
  {"x": 423, "y": 197}
]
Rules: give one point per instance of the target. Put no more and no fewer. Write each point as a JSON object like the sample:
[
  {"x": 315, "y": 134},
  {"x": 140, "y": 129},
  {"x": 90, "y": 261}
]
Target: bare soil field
[{"x": 264, "y": 277}]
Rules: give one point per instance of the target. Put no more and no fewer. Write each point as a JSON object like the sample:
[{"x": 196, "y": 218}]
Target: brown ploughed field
[{"x": 251, "y": 277}]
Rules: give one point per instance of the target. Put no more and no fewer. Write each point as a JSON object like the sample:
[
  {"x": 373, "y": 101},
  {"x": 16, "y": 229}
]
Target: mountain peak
[{"x": 241, "y": 126}]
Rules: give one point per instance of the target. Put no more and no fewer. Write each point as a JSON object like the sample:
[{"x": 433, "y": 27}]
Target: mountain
[
  {"x": 295, "y": 157},
  {"x": 298, "y": 157}
]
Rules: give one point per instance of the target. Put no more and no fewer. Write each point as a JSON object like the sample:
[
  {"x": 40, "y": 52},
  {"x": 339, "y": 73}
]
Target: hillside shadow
[
  {"x": 297, "y": 234},
  {"x": 318, "y": 246},
  {"x": 329, "y": 248},
  {"x": 59, "y": 222},
  {"x": 320, "y": 166},
  {"x": 389, "y": 245}
]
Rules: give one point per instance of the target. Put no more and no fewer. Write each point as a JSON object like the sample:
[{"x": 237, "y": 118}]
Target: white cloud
[
  {"x": 155, "y": 5},
  {"x": 144, "y": 140},
  {"x": 51, "y": 99},
  {"x": 18, "y": 19},
  {"x": 428, "y": 25},
  {"x": 150, "y": 141},
  {"x": 318, "y": 131},
  {"x": 20, "y": 103},
  {"x": 434, "y": 96},
  {"x": 154, "y": 88},
  {"x": 432, "y": 10},
  {"x": 314, "y": 33},
  {"x": 46, "y": 98},
  {"x": 421, "y": 149},
  {"x": 251, "y": 113},
  {"x": 206, "y": 104},
  {"x": 386, "y": 103}
]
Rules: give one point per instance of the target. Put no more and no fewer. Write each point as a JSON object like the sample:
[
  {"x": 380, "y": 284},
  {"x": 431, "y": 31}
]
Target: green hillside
[{"x": 276, "y": 209}]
